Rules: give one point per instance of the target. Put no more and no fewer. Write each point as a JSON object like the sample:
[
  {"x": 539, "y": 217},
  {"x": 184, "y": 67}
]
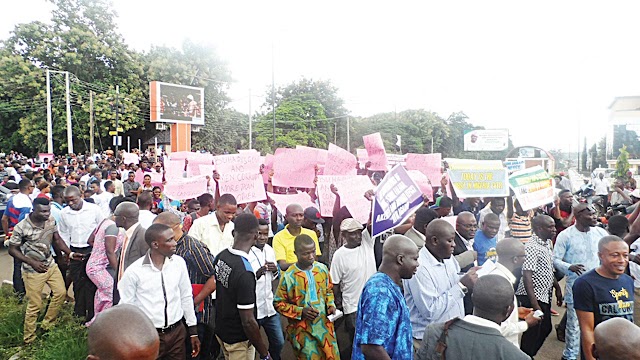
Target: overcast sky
[{"x": 547, "y": 70}]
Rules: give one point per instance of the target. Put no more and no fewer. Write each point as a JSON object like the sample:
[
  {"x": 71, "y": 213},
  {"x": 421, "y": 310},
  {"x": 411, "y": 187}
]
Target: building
[{"x": 623, "y": 127}]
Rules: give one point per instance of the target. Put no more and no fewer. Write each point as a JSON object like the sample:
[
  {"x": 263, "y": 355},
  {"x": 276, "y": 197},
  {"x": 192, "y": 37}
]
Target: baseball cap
[
  {"x": 350, "y": 224},
  {"x": 313, "y": 214}
]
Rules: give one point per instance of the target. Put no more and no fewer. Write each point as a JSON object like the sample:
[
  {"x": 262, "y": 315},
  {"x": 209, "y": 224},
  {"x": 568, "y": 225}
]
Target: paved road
[{"x": 552, "y": 349}]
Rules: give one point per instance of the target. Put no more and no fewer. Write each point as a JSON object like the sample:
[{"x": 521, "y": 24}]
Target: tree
[
  {"x": 593, "y": 152},
  {"x": 622, "y": 163},
  {"x": 602, "y": 153}
]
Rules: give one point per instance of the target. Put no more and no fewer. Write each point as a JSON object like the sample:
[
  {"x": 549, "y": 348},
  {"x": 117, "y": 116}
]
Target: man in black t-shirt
[
  {"x": 236, "y": 327},
  {"x": 605, "y": 292}
]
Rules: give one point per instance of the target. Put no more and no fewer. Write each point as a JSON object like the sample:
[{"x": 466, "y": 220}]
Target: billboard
[
  {"x": 176, "y": 103},
  {"x": 486, "y": 140}
]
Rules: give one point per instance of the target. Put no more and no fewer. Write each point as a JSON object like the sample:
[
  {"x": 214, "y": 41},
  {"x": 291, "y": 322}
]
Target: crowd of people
[{"x": 155, "y": 277}]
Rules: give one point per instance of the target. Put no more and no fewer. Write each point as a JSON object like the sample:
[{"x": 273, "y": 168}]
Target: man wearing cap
[
  {"x": 313, "y": 221},
  {"x": 352, "y": 266},
  {"x": 443, "y": 206}
]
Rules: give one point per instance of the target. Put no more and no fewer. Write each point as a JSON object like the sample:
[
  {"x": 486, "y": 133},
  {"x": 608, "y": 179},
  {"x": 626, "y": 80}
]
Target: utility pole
[
  {"x": 49, "y": 118},
  {"x": 335, "y": 132},
  {"x": 250, "y": 129},
  {"x": 91, "y": 130},
  {"x": 348, "y": 136},
  {"x": 117, "y": 111},
  {"x": 69, "y": 128}
]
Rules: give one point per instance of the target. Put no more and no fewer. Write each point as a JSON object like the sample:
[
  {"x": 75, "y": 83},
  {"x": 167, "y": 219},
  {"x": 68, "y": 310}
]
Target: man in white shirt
[
  {"x": 101, "y": 198},
  {"x": 215, "y": 230},
  {"x": 77, "y": 222},
  {"x": 352, "y": 266},
  {"x": 602, "y": 188},
  {"x": 159, "y": 285},
  {"x": 263, "y": 262},
  {"x": 511, "y": 256},
  {"x": 145, "y": 202},
  {"x": 119, "y": 187}
]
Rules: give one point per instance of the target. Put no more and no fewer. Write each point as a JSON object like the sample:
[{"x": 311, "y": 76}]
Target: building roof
[{"x": 625, "y": 103}]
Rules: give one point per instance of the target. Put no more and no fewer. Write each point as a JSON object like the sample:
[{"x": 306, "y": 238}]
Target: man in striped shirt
[
  {"x": 519, "y": 221},
  {"x": 18, "y": 207}
]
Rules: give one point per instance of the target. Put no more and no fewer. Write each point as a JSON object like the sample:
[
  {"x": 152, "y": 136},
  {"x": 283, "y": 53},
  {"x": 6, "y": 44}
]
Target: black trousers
[
  {"x": 84, "y": 290},
  {"x": 534, "y": 337}
]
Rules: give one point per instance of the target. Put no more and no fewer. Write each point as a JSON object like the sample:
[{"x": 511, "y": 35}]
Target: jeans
[
  {"x": 18, "y": 283},
  {"x": 572, "y": 335},
  {"x": 273, "y": 328}
]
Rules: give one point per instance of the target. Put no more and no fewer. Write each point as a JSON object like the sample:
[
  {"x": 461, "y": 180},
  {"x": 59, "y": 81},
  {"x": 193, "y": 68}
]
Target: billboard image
[
  {"x": 486, "y": 140},
  {"x": 176, "y": 103}
]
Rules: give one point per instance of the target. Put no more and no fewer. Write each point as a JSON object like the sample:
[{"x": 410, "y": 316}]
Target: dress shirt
[
  {"x": 512, "y": 327},
  {"x": 163, "y": 295},
  {"x": 601, "y": 186},
  {"x": 207, "y": 230},
  {"x": 476, "y": 320},
  {"x": 433, "y": 294},
  {"x": 146, "y": 218},
  {"x": 576, "y": 247},
  {"x": 264, "y": 291},
  {"x": 76, "y": 226}
]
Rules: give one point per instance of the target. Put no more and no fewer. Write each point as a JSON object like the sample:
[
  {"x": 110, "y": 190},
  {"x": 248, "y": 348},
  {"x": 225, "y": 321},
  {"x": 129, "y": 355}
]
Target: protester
[
  {"x": 466, "y": 227},
  {"x": 31, "y": 243},
  {"x": 134, "y": 245},
  {"x": 123, "y": 332},
  {"x": 283, "y": 241},
  {"x": 236, "y": 327},
  {"x": 313, "y": 221},
  {"x": 78, "y": 221},
  {"x": 575, "y": 253},
  {"x": 215, "y": 230},
  {"x": 604, "y": 292},
  {"x": 352, "y": 266},
  {"x": 487, "y": 238},
  {"x": 205, "y": 206},
  {"x": 131, "y": 186},
  {"x": 478, "y": 335},
  {"x": 422, "y": 218},
  {"x": 100, "y": 197},
  {"x": 118, "y": 186},
  {"x": 263, "y": 262},
  {"x": 305, "y": 298},
  {"x": 562, "y": 212},
  {"x": 519, "y": 220},
  {"x": 435, "y": 294},
  {"x": 496, "y": 206},
  {"x": 145, "y": 203},
  {"x": 616, "y": 339},
  {"x": 383, "y": 327},
  {"x": 159, "y": 285}
]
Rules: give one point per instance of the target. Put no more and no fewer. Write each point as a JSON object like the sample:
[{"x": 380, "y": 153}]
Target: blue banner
[{"x": 397, "y": 198}]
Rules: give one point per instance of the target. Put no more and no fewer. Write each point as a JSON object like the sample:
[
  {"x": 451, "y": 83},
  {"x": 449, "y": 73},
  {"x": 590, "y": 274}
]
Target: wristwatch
[
  {"x": 267, "y": 357},
  {"x": 463, "y": 288}
]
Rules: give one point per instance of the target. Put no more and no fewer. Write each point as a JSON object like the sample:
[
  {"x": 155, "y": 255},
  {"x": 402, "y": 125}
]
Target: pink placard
[
  {"x": 130, "y": 158},
  {"x": 174, "y": 169},
  {"x": 49, "y": 157},
  {"x": 246, "y": 162},
  {"x": 422, "y": 181},
  {"x": 268, "y": 165},
  {"x": 245, "y": 187},
  {"x": 206, "y": 169},
  {"x": 199, "y": 158},
  {"x": 282, "y": 201},
  {"x": 428, "y": 164},
  {"x": 185, "y": 188},
  {"x": 375, "y": 150},
  {"x": 294, "y": 168},
  {"x": 352, "y": 192},
  {"x": 340, "y": 162},
  {"x": 323, "y": 190},
  {"x": 320, "y": 154},
  {"x": 179, "y": 155}
]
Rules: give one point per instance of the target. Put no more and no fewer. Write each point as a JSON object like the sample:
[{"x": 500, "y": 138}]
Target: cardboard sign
[
  {"x": 294, "y": 168},
  {"x": 340, "y": 162},
  {"x": 423, "y": 183},
  {"x": 199, "y": 158},
  {"x": 320, "y": 155},
  {"x": 397, "y": 198},
  {"x": 352, "y": 192},
  {"x": 268, "y": 166},
  {"x": 514, "y": 165},
  {"x": 478, "y": 178},
  {"x": 48, "y": 156},
  {"x": 179, "y": 155},
  {"x": 323, "y": 190},
  {"x": 174, "y": 169},
  {"x": 206, "y": 169},
  {"x": 186, "y": 188},
  {"x": 375, "y": 151},
  {"x": 130, "y": 158},
  {"x": 428, "y": 164},
  {"x": 282, "y": 201},
  {"x": 245, "y": 187},
  {"x": 246, "y": 162},
  {"x": 533, "y": 187}
]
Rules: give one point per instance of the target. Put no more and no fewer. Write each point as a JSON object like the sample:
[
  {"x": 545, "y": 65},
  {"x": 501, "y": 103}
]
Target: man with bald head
[
  {"x": 283, "y": 240},
  {"x": 576, "y": 252},
  {"x": 436, "y": 293},
  {"x": 123, "y": 332},
  {"x": 511, "y": 255},
  {"x": 466, "y": 226},
  {"x": 538, "y": 280},
  {"x": 616, "y": 339},
  {"x": 383, "y": 326},
  {"x": 476, "y": 336},
  {"x": 133, "y": 247},
  {"x": 201, "y": 273}
]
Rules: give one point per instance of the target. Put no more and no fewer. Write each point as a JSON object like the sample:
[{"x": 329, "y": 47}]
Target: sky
[{"x": 545, "y": 70}]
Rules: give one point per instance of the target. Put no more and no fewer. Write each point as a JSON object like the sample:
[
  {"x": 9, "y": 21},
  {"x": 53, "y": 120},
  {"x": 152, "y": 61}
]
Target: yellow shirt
[{"x": 283, "y": 244}]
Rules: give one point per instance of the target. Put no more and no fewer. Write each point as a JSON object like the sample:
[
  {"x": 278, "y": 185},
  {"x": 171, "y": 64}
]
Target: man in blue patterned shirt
[{"x": 383, "y": 328}]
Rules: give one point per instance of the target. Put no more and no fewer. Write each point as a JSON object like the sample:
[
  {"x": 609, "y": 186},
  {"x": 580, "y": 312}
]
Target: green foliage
[
  {"x": 622, "y": 163},
  {"x": 66, "y": 340}
]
